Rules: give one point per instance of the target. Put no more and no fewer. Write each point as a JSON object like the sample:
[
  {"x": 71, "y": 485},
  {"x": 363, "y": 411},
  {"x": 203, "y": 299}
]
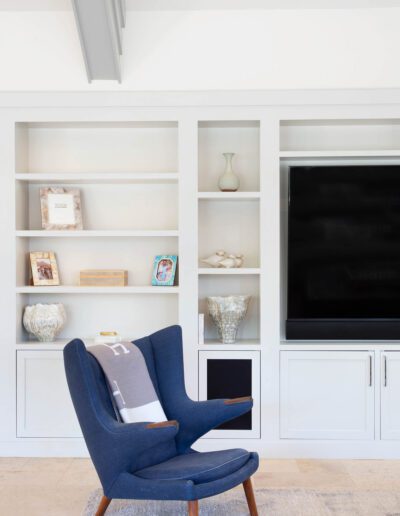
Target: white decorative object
[
  {"x": 44, "y": 321},
  {"x": 229, "y": 181},
  {"x": 239, "y": 260},
  {"x": 222, "y": 259},
  {"x": 215, "y": 259},
  {"x": 227, "y": 313},
  {"x": 201, "y": 329},
  {"x": 229, "y": 262}
]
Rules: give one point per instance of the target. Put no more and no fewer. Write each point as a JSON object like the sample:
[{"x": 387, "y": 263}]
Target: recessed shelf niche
[
  {"x": 249, "y": 328},
  {"x": 87, "y": 314},
  {"x": 108, "y": 206},
  {"x": 136, "y": 255},
  {"x": 318, "y": 136},
  {"x": 85, "y": 147},
  {"x": 218, "y": 137},
  {"x": 232, "y": 226}
]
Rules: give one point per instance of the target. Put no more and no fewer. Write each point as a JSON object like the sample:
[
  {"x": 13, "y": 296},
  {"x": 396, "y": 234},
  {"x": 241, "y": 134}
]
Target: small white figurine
[
  {"x": 229, "y": 262},
  {"x": 215, "y": 259},
  {"x": 222, "y": 259},
  {"x": 239, "y": 260}
]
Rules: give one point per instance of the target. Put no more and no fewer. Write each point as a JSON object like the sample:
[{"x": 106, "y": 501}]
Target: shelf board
[
  {"x": 94, "y": 178},
  {"x": 339, "y": 154},
  {"x": 233, "y": 271},
  {"x": 228, "y": 195},
  {"x": 240, "y": 344},
  {"x": 76, "y": 289},
  {"x": 57, "y": 345},
  {"x": 40, "y": 233}
]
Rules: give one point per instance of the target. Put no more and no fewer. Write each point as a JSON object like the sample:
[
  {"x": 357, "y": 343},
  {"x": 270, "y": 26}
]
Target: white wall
[{"x": 195, "y": 50}]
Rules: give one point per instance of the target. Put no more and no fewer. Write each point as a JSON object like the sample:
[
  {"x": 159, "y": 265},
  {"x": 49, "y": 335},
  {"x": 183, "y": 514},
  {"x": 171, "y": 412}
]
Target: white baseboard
[
  {"x": 26, "y": 447},
  {"x": 282, "y": 449},
  {"x": 302, "y": 449}
]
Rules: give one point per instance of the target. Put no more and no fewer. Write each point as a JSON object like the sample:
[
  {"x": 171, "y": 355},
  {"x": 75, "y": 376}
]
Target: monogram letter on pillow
[{"x": 126, "y": 371}]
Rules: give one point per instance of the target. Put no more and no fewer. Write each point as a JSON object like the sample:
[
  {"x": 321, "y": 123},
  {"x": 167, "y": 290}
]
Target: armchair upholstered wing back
[{"x": 155, "y": 460}]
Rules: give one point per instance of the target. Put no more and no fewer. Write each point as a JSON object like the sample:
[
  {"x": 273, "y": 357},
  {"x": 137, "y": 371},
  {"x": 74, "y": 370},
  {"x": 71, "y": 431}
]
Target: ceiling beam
[{"x": 99, "y": 24}]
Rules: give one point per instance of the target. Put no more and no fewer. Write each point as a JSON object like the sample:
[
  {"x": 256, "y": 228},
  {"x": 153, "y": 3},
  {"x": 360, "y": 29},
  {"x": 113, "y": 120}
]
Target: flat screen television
[{"x": 344, "y": 252}]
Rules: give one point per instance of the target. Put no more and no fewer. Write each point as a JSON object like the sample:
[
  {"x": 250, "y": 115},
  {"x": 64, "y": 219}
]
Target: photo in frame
[
  {"x": 44, "y": 268},
  {"x": 61, "y": 208},
  {"x": 164, "y": 270}
]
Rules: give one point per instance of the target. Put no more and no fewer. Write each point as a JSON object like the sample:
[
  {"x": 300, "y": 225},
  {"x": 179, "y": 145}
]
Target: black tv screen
[{"x": 344, "y": 252}]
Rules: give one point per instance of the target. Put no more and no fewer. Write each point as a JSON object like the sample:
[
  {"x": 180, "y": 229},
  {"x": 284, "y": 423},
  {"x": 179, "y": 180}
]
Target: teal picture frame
[{"x": 164, "y": 270}]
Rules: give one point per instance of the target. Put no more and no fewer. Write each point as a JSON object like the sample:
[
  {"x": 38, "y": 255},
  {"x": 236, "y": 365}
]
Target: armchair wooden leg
[
  {"x": 193, "y": 508},
  {"x": 251, "y": 501},
  {"x": 104, "y": 503}
]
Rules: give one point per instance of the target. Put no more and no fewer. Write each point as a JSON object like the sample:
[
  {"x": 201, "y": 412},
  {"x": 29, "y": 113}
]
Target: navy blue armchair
[{"x": 156, "y": 460}]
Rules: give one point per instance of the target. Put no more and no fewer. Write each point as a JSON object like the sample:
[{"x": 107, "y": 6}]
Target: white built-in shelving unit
[
  {"x": 127, "y": 173},
  {"x": 230, "y": 220},
  {"x": 147, "y": 167}
]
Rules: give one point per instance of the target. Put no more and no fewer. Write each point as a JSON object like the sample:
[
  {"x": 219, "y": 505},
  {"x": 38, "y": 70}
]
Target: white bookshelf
[
  {"x": 127, "y": 174},
  {"x": 233, "y": 226},
  {"x": 148, "y": 177}
]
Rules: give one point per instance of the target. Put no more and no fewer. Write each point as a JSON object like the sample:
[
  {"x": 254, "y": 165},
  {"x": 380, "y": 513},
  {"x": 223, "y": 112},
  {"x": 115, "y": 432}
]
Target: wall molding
[{"x": 221, "y": 98}]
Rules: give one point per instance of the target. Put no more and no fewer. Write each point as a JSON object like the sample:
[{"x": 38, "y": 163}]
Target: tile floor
[{"x": 60, "y": 487}]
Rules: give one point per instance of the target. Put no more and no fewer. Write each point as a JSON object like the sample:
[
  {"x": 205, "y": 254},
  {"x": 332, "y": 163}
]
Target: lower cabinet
[
  {"x": 44, "y": 406},
  {"x": 232, "y": 374},
  {"x": 327, "y": 395},
  {"x": 390, "y": 395}
]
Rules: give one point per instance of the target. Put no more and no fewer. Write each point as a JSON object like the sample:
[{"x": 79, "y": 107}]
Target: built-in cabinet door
[
  {"x": 327, "y": 395},
  {"x": 44, "y": 406},
  {"x": 390, "y": 395}
]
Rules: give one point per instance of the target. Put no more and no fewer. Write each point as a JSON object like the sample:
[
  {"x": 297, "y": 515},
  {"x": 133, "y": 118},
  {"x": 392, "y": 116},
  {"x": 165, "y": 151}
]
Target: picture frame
[
  {"x": 44, "y": 268},
  {"x": 61, "y": 208},
  {"x": 164, "y": 270}
]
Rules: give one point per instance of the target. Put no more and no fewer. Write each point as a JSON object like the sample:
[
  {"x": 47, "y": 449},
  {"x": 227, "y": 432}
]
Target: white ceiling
[{"x": 62, "y": 5}]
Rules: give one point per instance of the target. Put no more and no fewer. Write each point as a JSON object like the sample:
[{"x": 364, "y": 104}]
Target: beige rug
[{"x": 270, "y": 502}]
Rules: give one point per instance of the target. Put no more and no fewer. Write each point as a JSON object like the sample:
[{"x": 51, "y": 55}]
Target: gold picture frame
[
  {"x": 44, "y": 268},
  {"x": 61, "y": 208}
]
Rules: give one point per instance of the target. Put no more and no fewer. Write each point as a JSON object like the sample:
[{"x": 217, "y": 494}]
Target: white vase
[
  {"x": 44, "y": 321},
  {"x": 227, "y": 313},
  {"x": 229, "y": 181}
]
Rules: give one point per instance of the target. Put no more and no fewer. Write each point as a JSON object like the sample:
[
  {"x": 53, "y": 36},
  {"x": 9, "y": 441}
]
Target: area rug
[{"x": 270, "y": 502}]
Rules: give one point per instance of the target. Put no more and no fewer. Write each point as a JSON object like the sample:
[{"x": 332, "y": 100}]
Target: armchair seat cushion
[{"x": 198, "y": 467}]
